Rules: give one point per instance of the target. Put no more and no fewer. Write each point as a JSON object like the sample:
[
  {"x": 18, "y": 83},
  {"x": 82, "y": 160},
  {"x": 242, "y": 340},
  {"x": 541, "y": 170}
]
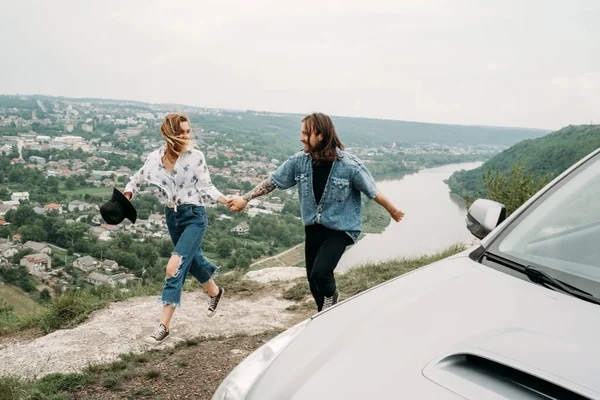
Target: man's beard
[{"x": 310, "y": 149}]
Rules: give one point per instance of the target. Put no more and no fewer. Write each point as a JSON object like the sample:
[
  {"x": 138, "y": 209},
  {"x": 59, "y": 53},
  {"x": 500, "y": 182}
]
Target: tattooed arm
[
  {"x": 238, "y": 203},
  {"x": 261, "y": 189}
]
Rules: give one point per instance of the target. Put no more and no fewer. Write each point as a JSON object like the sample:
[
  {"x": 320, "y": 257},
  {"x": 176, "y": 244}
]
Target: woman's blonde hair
[{"x": 171, "y": 131}]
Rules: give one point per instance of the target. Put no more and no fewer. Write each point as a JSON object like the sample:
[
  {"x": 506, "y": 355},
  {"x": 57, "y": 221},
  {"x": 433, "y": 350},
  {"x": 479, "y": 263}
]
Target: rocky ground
[{"x": 192, "y": 362}]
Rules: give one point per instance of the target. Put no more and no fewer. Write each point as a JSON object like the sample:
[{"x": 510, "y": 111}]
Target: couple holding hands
[{"x": 329, "y": 180}]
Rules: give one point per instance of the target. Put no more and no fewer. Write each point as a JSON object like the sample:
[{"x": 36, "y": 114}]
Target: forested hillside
[{"x": 546, "y": 156}]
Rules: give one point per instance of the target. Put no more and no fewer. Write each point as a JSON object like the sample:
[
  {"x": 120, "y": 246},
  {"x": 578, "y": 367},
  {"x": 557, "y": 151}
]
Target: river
[{"x": 433, "y": 221}]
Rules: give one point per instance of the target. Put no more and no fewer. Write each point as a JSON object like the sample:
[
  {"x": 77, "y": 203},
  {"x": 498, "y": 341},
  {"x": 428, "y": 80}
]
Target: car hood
[{"x": 409, "y": 338}]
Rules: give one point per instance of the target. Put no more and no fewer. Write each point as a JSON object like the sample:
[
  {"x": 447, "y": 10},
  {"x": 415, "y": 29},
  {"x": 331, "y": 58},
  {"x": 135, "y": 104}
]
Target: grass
[
  {"x": 22, "y": 304},
  {"x": 73, "y": 307},
  {"x": 234, "y": 282},
  {"x": 46, "y": 388},
  {"x": 294, "y": 257},
  {"x": 366, "y": 276}
]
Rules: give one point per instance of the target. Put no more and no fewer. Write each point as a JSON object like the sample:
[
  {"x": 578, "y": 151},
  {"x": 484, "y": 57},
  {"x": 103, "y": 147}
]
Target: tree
[
  {"x": 224, "y": 247},
  {"x": 21, "y": 216},
  {"x": 165, "y": 248},
  {"x": 35, "y": 233},
  {"x": 514, "y": 190},
  {"x": 70, "y": 183}
]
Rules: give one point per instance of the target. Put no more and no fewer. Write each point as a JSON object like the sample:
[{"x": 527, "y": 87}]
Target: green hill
[
  {"x": 282, "y": 130},
  {"x": 360, "y": 131},
  {"x": 548, "y": 155}
]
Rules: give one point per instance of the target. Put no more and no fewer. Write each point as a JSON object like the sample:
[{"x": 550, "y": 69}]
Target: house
[
  {"x": 112, "y": 228},
  {"x": 38, "y": 247},
  {"x": 123, "y": 171},
  {"x": 110, "y": 265},
  {"x": 37, "y": 261},
  {"x": 223, "y": 217},
  {"x": 19, "y": 196},
  {"x": 241, "y": 229},
  {"x": 96, "y": 278},
  {"x": 86, "y": 263},
  {"x": 39, "y": 210},
  {"x": 7, "y": 251},
  {"x": 275, "y": 207},
  {"x": 254, "y": 211},
  {"x": 37, "y": 160},
  {"x": 123, "y": 278},
  {"x": 155, "y": 220},
  {"x": 42, "y": 276},
  {"x": 103, "y": 234},
  {"x": 53, "y": 207},
  {"x": 78, "y": 205},
  {"x": 5, "y": 149}
]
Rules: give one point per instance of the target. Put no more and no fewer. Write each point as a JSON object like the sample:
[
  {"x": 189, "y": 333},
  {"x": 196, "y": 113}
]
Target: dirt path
[
  {"x": 191, "y": 372},
  {"x": 121, "y": 328}
]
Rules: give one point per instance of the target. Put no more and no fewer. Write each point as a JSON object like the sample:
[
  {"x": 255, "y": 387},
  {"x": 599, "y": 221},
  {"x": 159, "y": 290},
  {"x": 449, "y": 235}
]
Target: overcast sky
[{"x": 488, "y": 62}]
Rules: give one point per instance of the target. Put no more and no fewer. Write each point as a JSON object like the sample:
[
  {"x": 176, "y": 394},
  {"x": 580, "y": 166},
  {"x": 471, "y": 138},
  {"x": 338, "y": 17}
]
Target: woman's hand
[{"x": 223, "y": 200}]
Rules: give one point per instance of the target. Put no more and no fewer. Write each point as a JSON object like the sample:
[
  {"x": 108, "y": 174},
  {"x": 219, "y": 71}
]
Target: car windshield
[{"x": 560, "y": 232}]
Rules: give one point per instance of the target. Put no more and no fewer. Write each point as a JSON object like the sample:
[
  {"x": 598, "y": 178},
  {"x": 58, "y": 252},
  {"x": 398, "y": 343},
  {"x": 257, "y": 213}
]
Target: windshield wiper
[{"x": 542, "y": 278}]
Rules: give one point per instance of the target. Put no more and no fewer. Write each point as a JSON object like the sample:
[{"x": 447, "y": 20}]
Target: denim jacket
[{"x": 340, "y": 207}]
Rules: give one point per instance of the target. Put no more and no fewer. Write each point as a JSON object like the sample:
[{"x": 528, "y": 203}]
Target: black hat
[{"x": 117, "y": 209}]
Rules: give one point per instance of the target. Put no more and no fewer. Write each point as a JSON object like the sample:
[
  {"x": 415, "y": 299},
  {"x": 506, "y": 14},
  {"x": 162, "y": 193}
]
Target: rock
[
  {"x": 275, "y": 273},
  {"x": 121, "y": 328}
]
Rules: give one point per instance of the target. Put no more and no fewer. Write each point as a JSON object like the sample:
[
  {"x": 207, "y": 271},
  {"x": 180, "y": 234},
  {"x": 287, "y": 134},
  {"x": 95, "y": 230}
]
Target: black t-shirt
[{"x": 321, "y": 170}]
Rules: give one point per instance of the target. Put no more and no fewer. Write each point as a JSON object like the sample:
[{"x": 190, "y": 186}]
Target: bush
[{"x": 69, "y": 309}]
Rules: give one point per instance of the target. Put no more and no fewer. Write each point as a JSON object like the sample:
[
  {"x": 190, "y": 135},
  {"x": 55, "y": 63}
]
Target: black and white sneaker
[
  {"x": 158, "y": 335},
  {"x": 213, "y": 302},
  {"x": 331, "y": 301}
]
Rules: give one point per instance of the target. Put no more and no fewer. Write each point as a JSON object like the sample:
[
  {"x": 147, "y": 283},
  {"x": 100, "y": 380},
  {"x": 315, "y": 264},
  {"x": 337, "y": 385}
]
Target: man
[{"x": 330, "y": 182}]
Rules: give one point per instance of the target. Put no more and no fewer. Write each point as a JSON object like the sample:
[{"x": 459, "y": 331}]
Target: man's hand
[
  {"x": 237, "y": 203},
  {"x": 397, "y": 215}
]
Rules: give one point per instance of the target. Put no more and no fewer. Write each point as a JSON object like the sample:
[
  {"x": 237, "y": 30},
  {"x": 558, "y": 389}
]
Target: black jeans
[{"x": 323, "y": 249}]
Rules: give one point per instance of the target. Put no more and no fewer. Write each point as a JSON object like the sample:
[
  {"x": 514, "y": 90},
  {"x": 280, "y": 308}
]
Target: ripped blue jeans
[{"x": 187, "y": 227}]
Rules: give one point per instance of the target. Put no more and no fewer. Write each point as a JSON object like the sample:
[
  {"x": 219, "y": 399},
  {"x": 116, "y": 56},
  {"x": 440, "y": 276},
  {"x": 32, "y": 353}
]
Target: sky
[{"x": 524, "y": 63}]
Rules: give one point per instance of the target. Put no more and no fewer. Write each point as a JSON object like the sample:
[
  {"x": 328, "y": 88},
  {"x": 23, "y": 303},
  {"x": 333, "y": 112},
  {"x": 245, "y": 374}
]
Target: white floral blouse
[{"x": 188, "y": 184}]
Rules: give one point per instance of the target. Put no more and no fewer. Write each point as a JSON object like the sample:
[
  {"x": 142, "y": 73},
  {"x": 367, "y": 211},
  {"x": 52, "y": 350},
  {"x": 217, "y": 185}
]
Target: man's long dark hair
[{"x": 321, "y": 124}]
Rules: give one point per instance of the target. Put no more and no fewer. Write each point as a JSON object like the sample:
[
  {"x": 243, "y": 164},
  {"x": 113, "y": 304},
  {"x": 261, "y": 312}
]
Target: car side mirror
[{"x": 483, "y": 216}]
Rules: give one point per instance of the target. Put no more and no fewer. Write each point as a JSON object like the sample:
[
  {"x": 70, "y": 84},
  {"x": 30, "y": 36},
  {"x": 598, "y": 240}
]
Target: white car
[{"x": 517, "y": 317}]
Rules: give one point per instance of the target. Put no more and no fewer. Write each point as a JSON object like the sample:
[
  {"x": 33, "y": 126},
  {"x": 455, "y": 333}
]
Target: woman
[{"x": 181, "y": 174}]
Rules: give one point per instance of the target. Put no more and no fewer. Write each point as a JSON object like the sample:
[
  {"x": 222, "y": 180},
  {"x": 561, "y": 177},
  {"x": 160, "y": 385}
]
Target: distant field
[
  {"x": 294, "y": 257},
  {"x": 273, "y": 262},
  {"x": 105, "y": 191},
  {"x": 22, "y": 304}
]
